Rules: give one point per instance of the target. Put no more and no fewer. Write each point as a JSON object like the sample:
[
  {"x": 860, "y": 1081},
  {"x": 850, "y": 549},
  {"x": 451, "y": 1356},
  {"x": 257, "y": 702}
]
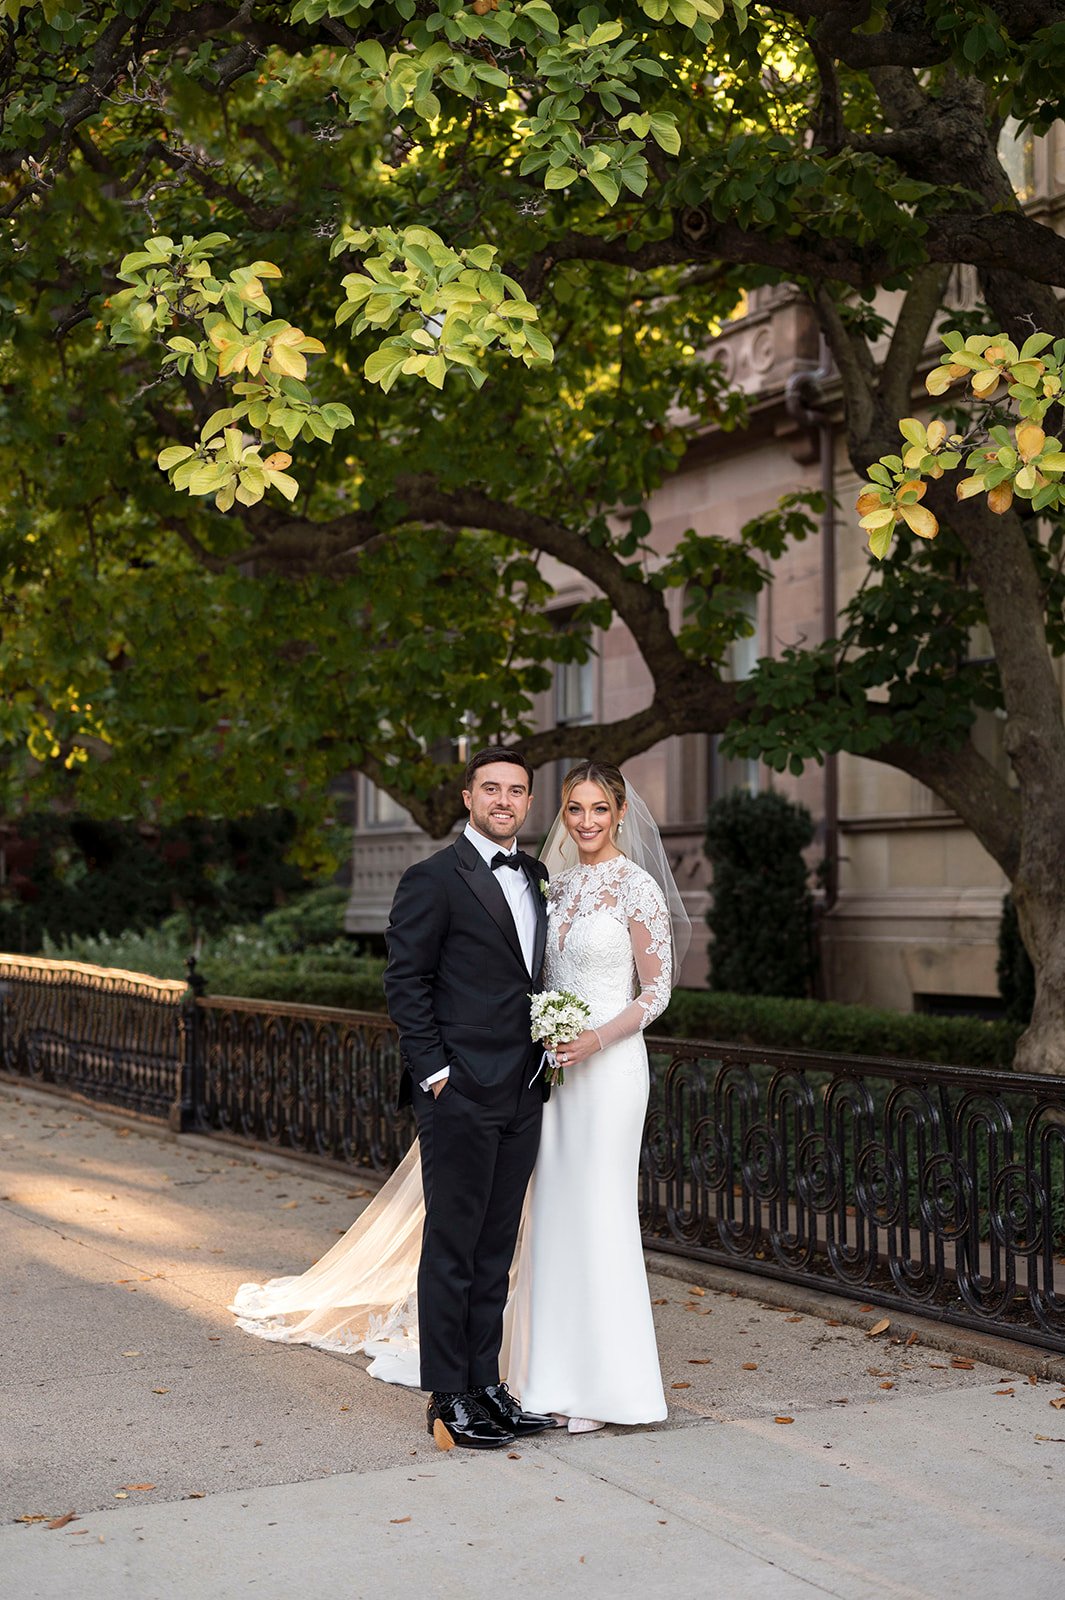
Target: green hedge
[
  {"x": 349, "y": 985},
  {"x": 844, "y": 1030},
  {"x": 692, "y": 1014}
]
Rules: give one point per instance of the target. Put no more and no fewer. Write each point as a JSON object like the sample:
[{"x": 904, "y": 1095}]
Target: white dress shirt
[{"x": 518, "y": 895}]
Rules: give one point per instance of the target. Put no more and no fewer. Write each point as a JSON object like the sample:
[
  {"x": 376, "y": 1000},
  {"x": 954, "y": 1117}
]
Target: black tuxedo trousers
[{"x": 458, "y": 991}]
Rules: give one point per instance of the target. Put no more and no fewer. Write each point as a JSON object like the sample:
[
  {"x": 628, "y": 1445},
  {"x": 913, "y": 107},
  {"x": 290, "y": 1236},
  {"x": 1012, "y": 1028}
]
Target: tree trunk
[{"x": 1040, "y": 907}]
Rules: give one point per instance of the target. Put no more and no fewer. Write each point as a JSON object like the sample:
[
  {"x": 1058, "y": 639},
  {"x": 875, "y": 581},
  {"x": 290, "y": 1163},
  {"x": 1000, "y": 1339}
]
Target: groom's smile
[{"x": 498, "y": 800}]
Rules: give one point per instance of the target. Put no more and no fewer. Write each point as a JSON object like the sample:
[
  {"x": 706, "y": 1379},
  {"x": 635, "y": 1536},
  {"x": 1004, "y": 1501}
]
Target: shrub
[
  {"x": 77, "y": 877},
  {"x": 761, "y": 915},
  {"x": 785, "y": 1024},
  {"x": 1016, "y": 975}
]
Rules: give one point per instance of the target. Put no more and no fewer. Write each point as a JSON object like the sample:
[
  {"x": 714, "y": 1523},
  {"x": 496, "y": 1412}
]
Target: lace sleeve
[{"x": 648, "y": 923}]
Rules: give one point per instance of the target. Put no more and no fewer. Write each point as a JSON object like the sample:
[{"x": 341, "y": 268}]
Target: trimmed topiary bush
[{"x": 761, "y": 917}]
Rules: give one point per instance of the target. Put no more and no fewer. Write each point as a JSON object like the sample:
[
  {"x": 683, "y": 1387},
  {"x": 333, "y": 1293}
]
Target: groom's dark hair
[{"x": 496, "y": 752}]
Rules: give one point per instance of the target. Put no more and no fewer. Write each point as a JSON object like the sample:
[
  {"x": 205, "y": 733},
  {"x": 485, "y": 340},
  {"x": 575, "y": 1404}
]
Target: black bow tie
[{"x": 502, "y": 859}]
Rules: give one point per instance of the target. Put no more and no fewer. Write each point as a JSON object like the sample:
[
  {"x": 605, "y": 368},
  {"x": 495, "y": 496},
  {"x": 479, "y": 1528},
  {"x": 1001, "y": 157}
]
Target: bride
[{"x": 579, "y": 1338}]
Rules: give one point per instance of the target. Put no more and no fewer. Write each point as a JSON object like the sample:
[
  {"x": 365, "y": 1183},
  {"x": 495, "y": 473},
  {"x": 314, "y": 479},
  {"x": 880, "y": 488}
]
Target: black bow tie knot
[{"x": 502, "y": 859}]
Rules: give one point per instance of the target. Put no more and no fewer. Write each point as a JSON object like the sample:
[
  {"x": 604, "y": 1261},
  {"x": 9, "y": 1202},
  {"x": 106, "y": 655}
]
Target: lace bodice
[{"x": 609, "y": 942}]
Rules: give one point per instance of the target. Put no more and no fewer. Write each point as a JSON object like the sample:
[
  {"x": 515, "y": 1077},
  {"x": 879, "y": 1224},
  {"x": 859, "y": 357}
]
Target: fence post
[{"x": 185, "y": 1113}]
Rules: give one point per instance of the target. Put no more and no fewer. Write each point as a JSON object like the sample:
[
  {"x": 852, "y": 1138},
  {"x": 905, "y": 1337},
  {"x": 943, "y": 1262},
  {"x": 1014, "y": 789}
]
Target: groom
[{"x": 465, "y": 947}]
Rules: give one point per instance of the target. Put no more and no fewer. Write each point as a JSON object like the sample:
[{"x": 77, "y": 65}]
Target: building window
[
  {"x": 574, "y": 692},
  {"x": 574, "y": 682},
  {"x": 738, "y": 772},
  {"x": 379, "y": 810},
  {"x": 1016, "y": 151}
]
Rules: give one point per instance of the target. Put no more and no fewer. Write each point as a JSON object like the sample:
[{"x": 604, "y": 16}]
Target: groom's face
[{"x": 498, "y": 800}]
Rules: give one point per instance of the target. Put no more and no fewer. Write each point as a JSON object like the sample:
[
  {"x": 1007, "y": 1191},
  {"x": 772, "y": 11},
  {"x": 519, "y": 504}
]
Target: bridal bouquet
[{"x": 556, "y": 1015}]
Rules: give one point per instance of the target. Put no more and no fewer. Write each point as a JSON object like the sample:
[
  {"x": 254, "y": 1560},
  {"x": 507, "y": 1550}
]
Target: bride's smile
[{"x": 592, "y": 823}]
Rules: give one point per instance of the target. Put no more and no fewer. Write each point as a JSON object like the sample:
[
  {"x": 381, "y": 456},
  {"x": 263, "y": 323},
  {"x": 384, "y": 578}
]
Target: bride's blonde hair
[{"x": 605, "y": 777}]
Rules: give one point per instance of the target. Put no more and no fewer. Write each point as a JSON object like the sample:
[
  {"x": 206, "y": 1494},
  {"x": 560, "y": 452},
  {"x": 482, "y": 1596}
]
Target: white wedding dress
[{"x": 578, "y": 1334}]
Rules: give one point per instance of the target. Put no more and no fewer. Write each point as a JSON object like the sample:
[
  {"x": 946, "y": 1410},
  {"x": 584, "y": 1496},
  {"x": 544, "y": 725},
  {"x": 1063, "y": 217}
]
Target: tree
[{"x": 601, "y": 183}]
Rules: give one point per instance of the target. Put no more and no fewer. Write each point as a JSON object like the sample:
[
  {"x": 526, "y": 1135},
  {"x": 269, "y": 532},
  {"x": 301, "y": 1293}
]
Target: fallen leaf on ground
[
  {"x": 783, "y": 1419},
  {"x": 359, "y": 1194},
  {"x": 878, "y": 1327},
  {"x": 512, "y": 1455},
  {"x": 121, "y": 1495},
  {"x": 888, "y": 1385},
  {"x": 1048, "y": 1438},
  {"x": 680, "y": 1386},
  {"x": 749, "y": 1366},
  {"x": 1003, "y": 1391},
  {"x": 865, "y": 1308},
  {"x": 962, "y": 1364},
  {"x": 698, "y": 1361},
  {"x": 289, "y": 1205},
  {"x": 940, "y": 1366},
  {"x": 660, "y": 1302},
  {"x": 131, "y": 1352},
  {"x": 399, "y": 1519},
  {"x": 160, "y": 1391},
  {"x": 138, "y": 1485},
  {"x": 1032, "y": 1378},
  {"x": 61, "y": 1522},
  {"x": 1059, "y": 1403},
  {"x": 793, "y": 1319},
  {"x": 693, "y": 1290},
  {"x": 831, "y": 1322},
  {"x": 196, "y": 1494}
]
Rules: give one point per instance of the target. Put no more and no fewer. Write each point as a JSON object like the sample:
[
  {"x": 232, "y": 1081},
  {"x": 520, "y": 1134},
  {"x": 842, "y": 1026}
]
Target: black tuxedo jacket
[{"x": 456, "y": 982}]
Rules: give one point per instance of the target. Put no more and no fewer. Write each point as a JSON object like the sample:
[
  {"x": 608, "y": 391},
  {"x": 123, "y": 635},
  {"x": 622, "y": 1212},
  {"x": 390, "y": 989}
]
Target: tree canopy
[{"x": 325, "y": 323}]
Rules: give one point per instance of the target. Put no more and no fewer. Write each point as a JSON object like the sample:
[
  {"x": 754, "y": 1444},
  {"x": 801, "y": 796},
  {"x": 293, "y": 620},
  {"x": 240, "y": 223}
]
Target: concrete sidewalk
[{"x": 802, "y": 1456}]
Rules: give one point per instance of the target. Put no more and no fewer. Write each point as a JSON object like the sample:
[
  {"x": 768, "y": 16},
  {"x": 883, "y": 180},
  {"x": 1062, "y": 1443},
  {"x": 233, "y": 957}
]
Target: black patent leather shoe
[
  {"x": 462, "y": 1419},
  {"x": 502, "y": 1407}
]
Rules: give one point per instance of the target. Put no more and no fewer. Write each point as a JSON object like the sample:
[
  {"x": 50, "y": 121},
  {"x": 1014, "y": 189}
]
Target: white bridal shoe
[{"x": 583, "y": 1425}]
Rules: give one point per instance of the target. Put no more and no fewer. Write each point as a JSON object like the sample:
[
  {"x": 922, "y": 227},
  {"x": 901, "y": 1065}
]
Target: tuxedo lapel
[{"x": 481, "y": 879}]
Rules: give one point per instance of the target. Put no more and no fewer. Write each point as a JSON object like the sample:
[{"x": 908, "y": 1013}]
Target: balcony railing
[{"x": 924, "y": 1188}]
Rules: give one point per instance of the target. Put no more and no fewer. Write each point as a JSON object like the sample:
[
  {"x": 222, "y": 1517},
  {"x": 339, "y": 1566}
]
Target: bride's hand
[{"x": 573, "y": 1051}]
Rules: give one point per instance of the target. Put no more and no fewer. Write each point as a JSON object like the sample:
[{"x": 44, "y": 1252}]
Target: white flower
[{"x": 556, "y": 1015}]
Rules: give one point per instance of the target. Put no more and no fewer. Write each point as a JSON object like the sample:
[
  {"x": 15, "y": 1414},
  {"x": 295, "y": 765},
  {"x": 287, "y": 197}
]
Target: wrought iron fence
[
  {"x": 109, "y": 1035},
  {"x": 306, "y": 1078},
  {"x": 932, "y": 1189},
  {"x": 919, "y": 1187}
]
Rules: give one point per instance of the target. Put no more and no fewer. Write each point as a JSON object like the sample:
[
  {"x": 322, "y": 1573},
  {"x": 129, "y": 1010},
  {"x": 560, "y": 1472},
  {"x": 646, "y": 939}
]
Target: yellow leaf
[
  {"x": 276, "y": 463},
  {"x": 1030, "y": 440},
  {"x": 783, "y": 1419},
  {"x": 939, "y": 380},
  {"x": 285, "y": 360},
  {"x": 937, "y": 433},
  {"x": 968, "y": 487},
  {"x": 61, "y": 1522},
  {"x": 879, "y": 1327},
  {"x": 867, "y": 501},
  {"x": 920, "y": 520},
  {"x": 1000, "y": 499},
  {"x": 985, "y": 383},
  {"x": 877, "y": 519}
]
